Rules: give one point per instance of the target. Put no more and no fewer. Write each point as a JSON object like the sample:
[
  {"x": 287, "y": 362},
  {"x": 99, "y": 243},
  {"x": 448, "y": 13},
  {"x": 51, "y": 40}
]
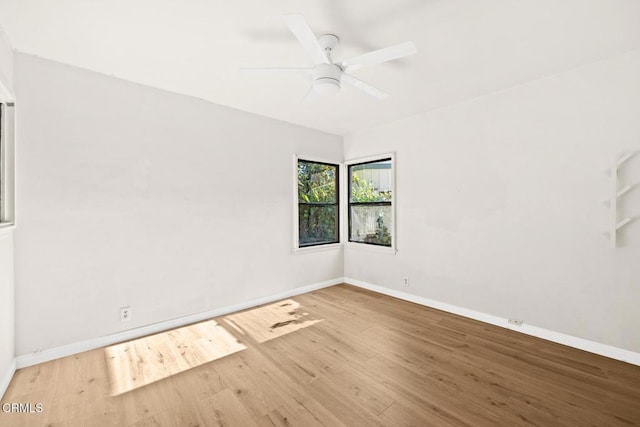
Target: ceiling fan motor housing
[{"x": 326, "y": 78}]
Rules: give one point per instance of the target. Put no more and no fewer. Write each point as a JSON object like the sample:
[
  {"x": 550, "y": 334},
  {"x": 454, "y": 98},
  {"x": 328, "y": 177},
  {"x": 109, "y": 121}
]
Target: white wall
[
  {"x": 6, "y": 308},
  {"x": 130, "y": 195},
  {"x": 6, "y": 242},
  {"x": 498, "y": 203},
  {"x": 6, "y": 61}
]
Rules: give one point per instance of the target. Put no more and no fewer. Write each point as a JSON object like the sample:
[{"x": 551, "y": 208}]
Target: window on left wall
[
  {"x": 6, "y": 164},
  {"x": 318, "y": 203}
]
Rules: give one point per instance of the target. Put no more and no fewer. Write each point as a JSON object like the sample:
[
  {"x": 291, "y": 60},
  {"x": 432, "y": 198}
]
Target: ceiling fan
[{"x": 327, "y": 75}]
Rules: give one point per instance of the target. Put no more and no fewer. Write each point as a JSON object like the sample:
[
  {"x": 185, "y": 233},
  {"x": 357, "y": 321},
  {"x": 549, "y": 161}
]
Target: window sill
[
  {"x": 372, "y": 248},
  {"x": 318, "y": 248}
]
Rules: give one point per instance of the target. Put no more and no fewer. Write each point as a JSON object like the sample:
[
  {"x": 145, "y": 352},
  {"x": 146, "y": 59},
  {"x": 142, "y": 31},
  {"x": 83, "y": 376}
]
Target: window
[
  {"x": 6, "y": 163},
  {"x": 318, "y": 203},
  {"x": 370, "y": 202},
  {"x": 2, "y": 167}
]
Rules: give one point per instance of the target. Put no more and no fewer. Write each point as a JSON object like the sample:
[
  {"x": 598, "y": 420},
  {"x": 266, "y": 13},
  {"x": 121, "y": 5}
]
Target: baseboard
[
  {"x": 557, "y": 337},
  {"x": 79, "y": 347},
  {"x": 6, "y": 379}
]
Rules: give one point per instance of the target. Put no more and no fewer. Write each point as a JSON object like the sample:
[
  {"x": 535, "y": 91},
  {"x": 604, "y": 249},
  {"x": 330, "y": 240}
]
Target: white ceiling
[{"x": 466, "y": 48}]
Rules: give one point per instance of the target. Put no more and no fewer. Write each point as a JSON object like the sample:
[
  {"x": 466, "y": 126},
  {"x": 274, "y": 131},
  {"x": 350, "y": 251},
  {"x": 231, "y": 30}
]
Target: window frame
[
  {"x": 338, "y": 204},
  {"x": 7, "y": 162},
  {"x": 392, "y": 249}
]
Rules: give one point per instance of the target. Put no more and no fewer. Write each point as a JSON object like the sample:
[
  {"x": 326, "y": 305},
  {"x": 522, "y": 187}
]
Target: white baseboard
[
  {"x": 557, "y": 337},
  {"x": 6, "y": 379},
  {"x": 91, "y": 344}
]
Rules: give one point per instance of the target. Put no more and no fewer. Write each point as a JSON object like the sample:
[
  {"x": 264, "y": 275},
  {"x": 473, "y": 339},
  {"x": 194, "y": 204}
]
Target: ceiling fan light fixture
[
  {"x": 326, "y": 79},
  {"x": 326, "y": 86}
]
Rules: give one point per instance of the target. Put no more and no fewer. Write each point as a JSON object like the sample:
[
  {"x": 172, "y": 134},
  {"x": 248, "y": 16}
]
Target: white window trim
[
  {"x": 344, "y": 214},
  {"x": 7, "y": 156},
  {"x": 316, "y": 248}
]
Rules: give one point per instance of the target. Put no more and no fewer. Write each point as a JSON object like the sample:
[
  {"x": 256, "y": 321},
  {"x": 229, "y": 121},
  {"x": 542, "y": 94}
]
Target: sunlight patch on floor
[
  {"x": 271, "y": 321},
  {"x": 149, "y": 359}
]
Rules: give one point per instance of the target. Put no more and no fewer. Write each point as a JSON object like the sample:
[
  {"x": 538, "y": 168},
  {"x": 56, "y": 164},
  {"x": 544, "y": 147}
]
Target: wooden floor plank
[{"x": 339, "y": 356}]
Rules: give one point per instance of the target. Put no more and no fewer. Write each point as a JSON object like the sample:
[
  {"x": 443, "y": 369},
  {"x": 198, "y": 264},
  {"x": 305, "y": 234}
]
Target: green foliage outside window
[{"x": 363, "y": 191}]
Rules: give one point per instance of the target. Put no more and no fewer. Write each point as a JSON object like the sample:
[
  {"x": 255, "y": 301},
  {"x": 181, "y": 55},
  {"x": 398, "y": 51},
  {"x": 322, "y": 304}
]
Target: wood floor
[{"x": 340, "y": 356}]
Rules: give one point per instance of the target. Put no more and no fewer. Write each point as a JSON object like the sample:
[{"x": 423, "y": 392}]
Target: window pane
[
  {"x": 317, "y": 224},
  {"x": 371, "y": 182},
  {"x": 1, "y": 165},
  {"x": 371, "y": 224},
  {"x": 317, "y": 182}
]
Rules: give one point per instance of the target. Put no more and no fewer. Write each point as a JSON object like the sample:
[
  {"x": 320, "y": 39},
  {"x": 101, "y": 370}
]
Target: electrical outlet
[
  {"x": 516, "y": 322},
  {"x": 405, "y": 281},
  {"x": 125, "y": 314}
]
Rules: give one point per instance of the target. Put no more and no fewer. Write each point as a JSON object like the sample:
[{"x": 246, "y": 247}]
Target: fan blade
[
  {"x": 301, "y": 29},
  {"x": 379, "y": 56},
  {"x": 275, "y": 70},
  {"x": 365, "y": 87},
  {"x": 311, "y": 96}
]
